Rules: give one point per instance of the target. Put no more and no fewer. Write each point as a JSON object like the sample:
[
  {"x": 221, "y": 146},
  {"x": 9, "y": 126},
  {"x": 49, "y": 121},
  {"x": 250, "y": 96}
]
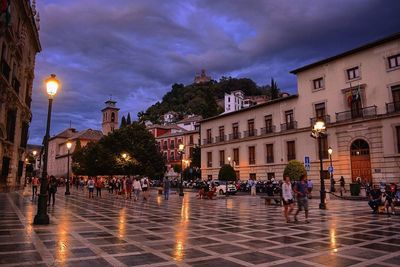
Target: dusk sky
[{"x": 135, "y": 50}]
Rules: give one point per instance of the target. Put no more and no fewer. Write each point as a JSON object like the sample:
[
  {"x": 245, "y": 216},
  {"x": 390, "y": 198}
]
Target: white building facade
[{"x": 356, "y": 93}]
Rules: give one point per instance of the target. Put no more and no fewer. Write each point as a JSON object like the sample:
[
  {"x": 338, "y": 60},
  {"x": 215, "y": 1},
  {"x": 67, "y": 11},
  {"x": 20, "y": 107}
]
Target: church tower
[{"x": 110, "y": 117}]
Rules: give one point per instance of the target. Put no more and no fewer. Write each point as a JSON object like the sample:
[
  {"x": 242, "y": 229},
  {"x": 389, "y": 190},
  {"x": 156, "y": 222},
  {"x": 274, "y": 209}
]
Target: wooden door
[{"x": 360, "y": 161}]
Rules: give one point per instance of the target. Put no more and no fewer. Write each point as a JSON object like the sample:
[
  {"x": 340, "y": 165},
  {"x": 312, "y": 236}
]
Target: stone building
[
  {"x": 356, "y": 93},
  {"x": 19, "y": 44}
]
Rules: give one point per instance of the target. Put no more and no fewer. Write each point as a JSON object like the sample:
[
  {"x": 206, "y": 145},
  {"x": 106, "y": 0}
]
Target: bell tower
[{"x": 110, "y": 117}]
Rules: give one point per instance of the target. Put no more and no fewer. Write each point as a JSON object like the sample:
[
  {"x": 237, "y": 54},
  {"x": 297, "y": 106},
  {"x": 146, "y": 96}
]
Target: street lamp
[
  {"x": 229, "y": 160},
  {"x": 318, "y": 132},
  {"x": 69, "y": 145},
  {"x": 124, "y": 155},
  {"x": 330, "y": 151},
  {"x": 34, "y": 152},
  {"x": 181, "y": 151},
  {"x": 52, "y": 85}
]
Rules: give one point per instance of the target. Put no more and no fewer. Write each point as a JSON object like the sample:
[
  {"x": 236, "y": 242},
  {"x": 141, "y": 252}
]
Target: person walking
[
  {"x": 253, "y": 186},
  {"x": 145, "y": 188},
  {"x": 166, "y": 187},
  {"x": 342, "y": 185},
  {"x": 302, "y": 200},
  {"x": 287, "y": 198},
  {"x": 82, "y": 183},
  {"x": 310, "y": 186},
  {"x": 90, "y": 186},
  {"x": 35, "y": 183},
  {"x": 128, "y": 187},
  {"x": 137, "y": 187},
  {"x": 99, "y": 186},
  {"x": 52, "y": 189},
  {"x": 390, "y": 198}
]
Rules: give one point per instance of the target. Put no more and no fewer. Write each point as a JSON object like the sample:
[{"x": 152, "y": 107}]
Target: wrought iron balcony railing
[
  {"x": 289, "y": 126},
  {"x": 220, "y": 138},
  {"x": 367, "y": 112},
  {"x": 393, "y": 107},
  {"x": 268, "y": 130},
  {"x": 250, "y": 133},
  {"x": 235, "y": 136},
  {"x": 207, "y": 141},
  {"x": 325, "y": 118}
]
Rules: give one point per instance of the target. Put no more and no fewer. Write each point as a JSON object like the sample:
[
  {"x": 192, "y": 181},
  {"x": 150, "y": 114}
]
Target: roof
[
  {"x": 167, "y": 126},
  {"x": 251, "y": 107},
  {"x": 88, "y": 134},
  {"x": 349, "y": 52},
  {"x": 67, "y": 133},
  {"x": 190, "y": 119},
  {"x": 184, "y": 132}
]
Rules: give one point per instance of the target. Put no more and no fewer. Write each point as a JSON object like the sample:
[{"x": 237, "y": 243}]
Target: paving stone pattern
[{"x": 238, "y": 231}]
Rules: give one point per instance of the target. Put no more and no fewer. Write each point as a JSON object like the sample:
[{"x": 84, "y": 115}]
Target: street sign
[
  {"x": 307, "y": 165},
  {"x": 330, "y": 169}
]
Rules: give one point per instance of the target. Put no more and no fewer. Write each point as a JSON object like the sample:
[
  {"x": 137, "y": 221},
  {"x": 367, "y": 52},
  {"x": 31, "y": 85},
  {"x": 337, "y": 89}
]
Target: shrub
[{"x": 294, "y": 169}]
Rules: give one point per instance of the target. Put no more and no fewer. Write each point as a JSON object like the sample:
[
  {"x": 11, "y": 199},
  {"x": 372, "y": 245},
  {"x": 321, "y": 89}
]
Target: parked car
[{"x": 221, "y": 187}]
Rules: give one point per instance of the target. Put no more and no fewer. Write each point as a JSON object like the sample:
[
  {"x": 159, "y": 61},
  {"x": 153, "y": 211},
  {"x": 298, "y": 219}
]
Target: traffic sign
[
  {"x": 330, "y": 169},
  {"x": 307, "y": 165}
]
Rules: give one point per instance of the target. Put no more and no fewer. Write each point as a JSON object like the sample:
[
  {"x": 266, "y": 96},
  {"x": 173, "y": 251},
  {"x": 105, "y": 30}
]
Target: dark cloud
[{"x": 134, "y": 50}]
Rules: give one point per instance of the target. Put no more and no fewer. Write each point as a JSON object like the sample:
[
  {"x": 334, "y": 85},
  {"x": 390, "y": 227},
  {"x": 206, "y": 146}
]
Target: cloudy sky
[{"x": 135, "y": 50}]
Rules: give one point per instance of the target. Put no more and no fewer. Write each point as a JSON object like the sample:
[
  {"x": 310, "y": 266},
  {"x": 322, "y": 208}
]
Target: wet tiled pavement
[{"x": 239, "y": 231}]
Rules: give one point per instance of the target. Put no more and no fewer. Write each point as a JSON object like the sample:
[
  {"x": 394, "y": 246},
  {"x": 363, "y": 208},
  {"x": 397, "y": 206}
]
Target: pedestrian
[
  {"x": 375, "y": 199},
  {"x": 302, "y": 200},
  {"x": 253, "y": 185},
  {"x": 342, "y": 185},
  {"x": 309, "y": 188},
  {"x": 35, "y": 183},
  {"x": 99, "y": 186},
  {"x": 111, "y": 185},
  {"x": 145, "y": 187},
  {"x": 137, "y": 187},
  {"x": 81, "y": 183},
  {"x": 390, "y": 198},
  {"x": 90, "y": 186},
  {"x": 128, "y": 187},
  {"x": 166, "y": 187},
  {"x": 287, "y": 198},
  {"x": 52, "y": 189}
]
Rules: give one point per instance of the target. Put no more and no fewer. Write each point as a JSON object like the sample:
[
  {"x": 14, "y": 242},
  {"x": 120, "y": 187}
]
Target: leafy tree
[
  {"x": 128, "y": 119},
  {"x": 123, "y": 122},
  {"x": 294, "y": 169},
  {"x": 274, "y": 90},
  {"x": 196, "y": 157},
  {"x": 78, "y": 145},
  {"x": 227, "y": 173}
]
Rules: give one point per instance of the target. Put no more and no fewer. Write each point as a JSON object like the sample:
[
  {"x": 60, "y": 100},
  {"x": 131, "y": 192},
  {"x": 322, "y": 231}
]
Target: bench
[{"x": 277, "y": 200}]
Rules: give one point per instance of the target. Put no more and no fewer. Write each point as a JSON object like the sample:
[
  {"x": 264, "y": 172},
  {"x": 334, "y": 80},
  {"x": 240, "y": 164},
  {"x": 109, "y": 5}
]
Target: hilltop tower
[{"x": 110, "y": 117}]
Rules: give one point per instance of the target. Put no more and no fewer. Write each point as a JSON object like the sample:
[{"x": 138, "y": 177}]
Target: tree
[
  {"x": 128, "y": 119},
  {"x": 196, "y": 157},
  {"x": 227, "y": 173},
  {"x": 294, "y": 169},
  {"x": 123, "y": 122},
  {"x": 274, "y": 90}
]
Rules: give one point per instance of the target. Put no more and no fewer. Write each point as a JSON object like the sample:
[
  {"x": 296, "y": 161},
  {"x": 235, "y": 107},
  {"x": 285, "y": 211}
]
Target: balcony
[
  {"x": 289, "y": 126},
  {"x": 5, "y": 69},
  {"x": 15, "y": 84},
  {"x": 171, "y": 146},
  {"x": 367, "y": 112},
  {"x": 325, "y": 118},
  {"x": 234, "y": 136},
  {"x": 250, "y": 133},
  {"x": 393, "y": 107},
  {"x": 221, "y": 138},
  {"x": 268, "y": 130},
  {"x": 207, "y": 141}
]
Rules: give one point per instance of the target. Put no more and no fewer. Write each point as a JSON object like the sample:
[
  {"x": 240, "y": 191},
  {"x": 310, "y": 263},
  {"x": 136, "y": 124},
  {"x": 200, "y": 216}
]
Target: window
[
  {"x": 235, "y": 130},
  {"x": 191, "y": 140},
  {"x": 394, "y": 61},
  {"x": 320, "y": 111},
  {"x": 270, "y": 175},
  {"x": 252, "y": 155},
  {"x": 165, "y": 145},
  {"x": 250, "y": 127},
  {"x": 289, "y": 119},
  {"x": 253, "y": 176},
  {"x": 190, "y": 152},
  {"x": 10, "y": 127},
  {"x": 112, "y": 117},
  {"x": 324, "y": 146},
  {"x": 24, "y": 134},
  {"x": 209, "y": 138},
  {"x": 172, "y": 156},
  {"x": 353, "y": 73},
  {"x": 291, "y": 150},
  {"x": 221, "y": 157},
  {"x": 396, "y": 97},
  {"x": 398, "y": 138},
  {"x": 268, "y": 124},
  {"x": 221, "y": 131},
  {"x": 172, "y": 144},
  {"x": 270, "y": 153},
  {"x": 318, "y": 83},
  {"x": 236, "y": 156},
  {"x": 209, "y": 159}
]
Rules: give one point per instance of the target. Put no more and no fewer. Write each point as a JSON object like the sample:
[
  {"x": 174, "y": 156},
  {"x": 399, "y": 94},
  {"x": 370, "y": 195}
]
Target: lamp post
[
  {"x": 69, "y": 145},
  {"x": 42, "y": 217},
  {"x": 330, "y": 151},
  {"x": 229, "y": 160},
  {"x": 318, "y": 132},
  {"x": 181, "y": 151}
]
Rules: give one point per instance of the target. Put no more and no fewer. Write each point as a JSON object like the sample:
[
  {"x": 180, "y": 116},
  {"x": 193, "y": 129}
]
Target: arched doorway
[{"x": 360, "y": 160}]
